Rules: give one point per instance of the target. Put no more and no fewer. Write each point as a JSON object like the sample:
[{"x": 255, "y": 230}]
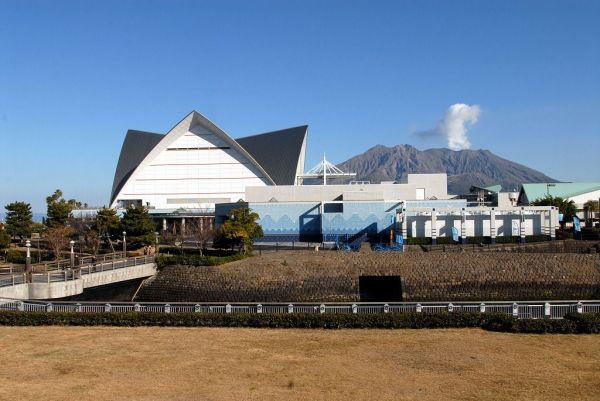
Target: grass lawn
[{"x": 110, "y": 363}]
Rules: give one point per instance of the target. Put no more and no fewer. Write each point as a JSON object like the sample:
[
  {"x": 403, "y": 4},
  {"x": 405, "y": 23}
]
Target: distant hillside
[{"x": 464, "y": 168}]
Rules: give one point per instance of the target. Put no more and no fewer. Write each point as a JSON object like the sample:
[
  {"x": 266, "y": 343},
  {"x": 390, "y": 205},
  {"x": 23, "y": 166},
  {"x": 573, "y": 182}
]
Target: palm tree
[{"x": 592, "y": 207}]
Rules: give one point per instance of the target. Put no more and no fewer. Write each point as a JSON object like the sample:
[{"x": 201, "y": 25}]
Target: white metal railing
[
  {"x": 68, "y": 274},
  {"x": 522, "y": 310}
]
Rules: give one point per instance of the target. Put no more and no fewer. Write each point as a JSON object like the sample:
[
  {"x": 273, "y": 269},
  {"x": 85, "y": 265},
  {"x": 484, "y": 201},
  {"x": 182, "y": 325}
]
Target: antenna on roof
[{"x": 325, "y": 169}]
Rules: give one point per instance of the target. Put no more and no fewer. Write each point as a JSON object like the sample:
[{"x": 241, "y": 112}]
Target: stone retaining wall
[{"x": 334, "y": 276}]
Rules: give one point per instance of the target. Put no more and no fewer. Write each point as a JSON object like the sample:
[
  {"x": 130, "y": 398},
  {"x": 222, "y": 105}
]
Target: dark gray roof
[
  {"x": 277, "y": 152},
  {"x": 136, "y": 146}
]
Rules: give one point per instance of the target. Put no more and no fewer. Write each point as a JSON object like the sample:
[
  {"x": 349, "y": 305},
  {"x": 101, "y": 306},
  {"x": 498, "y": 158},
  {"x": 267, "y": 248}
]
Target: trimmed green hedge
[
  {"x": 573, "y": 323},
  {"x": 196, "y": 260},
  {"x": 266, "y": 320}
]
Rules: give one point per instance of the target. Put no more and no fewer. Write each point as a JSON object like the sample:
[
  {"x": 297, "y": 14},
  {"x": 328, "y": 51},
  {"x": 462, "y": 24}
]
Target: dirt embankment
[{"x": 334, "y": 276}]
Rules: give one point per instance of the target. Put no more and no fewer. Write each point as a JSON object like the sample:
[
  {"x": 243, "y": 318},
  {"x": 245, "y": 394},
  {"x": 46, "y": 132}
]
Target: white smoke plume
[{"x": 455, "y": 125}]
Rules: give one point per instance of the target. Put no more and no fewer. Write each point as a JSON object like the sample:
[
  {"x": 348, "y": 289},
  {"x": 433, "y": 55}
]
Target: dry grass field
[{"x": 106, "y": 363}]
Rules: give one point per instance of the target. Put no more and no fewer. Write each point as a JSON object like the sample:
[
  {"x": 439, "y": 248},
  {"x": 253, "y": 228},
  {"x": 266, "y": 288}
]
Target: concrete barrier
[{"x": 67, "y": 288}]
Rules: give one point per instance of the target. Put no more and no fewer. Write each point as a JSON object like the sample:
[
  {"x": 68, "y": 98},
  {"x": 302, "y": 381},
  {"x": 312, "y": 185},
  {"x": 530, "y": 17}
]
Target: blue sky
[{"x": 74, "y": 76}]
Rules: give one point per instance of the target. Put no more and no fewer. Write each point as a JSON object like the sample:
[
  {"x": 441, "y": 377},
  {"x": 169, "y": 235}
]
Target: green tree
[
  {"x": 18, "y": 219},
  {"x": 139, "y": 227},
  {"x": 107, "y": 222},
  {"x": 241, "y": 228},
  {"x": 4, "y": 237},
  {"x": 566, "y": 207},
  {"x": 59, "y": 209},
  {"x": 592, "y": 207}
]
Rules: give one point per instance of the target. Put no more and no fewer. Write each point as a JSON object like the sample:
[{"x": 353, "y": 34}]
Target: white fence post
[
  {"x": 167, "y": 308},
  {"x": 579, "y": 307},
  {"x": 322, "y": 308},
  {"x": 386, "y": 308},
  {"x": 137, "y": 307},
  {"x": 482, "y": 308},
  {"x": 49, "y": 307},
  {"x": 258, "y": 308},
  {"x": 107, "y": 307},
  {"x": 515, "y": 310},
  {"x": 354, "y": 308},
  {"x": 78, "y": 307},
  {"x": 197, "y": 308},
  {"x": 450, "y": 307},
  {"x": 547, "y": 310},
  {"x": 290, "y": 308},
  {"x": 419, "y": 308},
  {"x": 227, "y": 308}
]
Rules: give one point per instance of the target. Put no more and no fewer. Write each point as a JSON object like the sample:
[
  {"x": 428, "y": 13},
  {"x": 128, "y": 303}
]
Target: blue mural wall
[
  {"x": 289, "y": 221},
  {"x": 303, "y": 221},
  {"x": 360, "y": 217}
]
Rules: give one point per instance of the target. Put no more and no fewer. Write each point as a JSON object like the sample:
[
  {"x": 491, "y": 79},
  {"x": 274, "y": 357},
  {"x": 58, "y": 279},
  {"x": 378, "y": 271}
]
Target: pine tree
[
  {"x": 107, "y": 222},
  {"x": 139, "y": 227},
  {"x": 59, "y": 209},
  {"x": 18, "y": 219}
]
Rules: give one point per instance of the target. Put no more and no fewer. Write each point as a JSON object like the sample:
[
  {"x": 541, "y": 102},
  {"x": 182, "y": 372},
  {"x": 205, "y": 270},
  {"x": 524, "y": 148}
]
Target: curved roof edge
[
  {"x": 139, "y": 147},
  {"x": 280, "y": 153},
  {"x": 136, "y": 146}
]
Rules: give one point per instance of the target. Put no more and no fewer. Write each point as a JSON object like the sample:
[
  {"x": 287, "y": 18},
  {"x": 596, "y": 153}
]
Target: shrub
[
  {"x": 15, "y": 256},
  {"x": 292, "y": 320},
  {"x": 586, "y": 322},
  {"x": 571, "y": 324},
  {"x": 163, "y": 260}
]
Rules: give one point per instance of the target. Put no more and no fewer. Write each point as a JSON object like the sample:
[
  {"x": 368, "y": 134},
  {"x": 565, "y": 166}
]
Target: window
[{"x": 333, "y": 208}]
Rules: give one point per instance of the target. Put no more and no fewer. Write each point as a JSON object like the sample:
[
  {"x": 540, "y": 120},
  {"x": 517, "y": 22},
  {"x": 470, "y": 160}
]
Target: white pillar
[
  {"x": 522, "y": 224},
  {"x": 404, "y": 225},
  {"x": 551, "y": 222},
  {"x": 493, "y": 225},
  {"x": 433, "y": 226},
  {"x": 463, "y": 226},
  {"x": 164, "y": 224},
  {"x": 183, "y": 225}
]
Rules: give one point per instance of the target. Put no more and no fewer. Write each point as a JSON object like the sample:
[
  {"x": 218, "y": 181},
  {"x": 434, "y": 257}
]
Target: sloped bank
[{"x": 336, "y": 276}]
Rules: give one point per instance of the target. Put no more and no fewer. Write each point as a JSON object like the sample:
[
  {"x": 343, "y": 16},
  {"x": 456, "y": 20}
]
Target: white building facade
[{"x": 196, "y": 165}]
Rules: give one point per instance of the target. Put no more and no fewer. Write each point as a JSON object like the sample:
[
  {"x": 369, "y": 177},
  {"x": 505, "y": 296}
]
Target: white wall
[
  {"x": 435, "y": 185},
  {"x": 581, "y": 199},
  {"x": 477, "y": 225},
  {"x": 193, "y": 172}
]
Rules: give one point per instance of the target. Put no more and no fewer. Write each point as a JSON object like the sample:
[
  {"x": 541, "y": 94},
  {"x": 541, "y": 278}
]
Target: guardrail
[
  {"x": 521, "y": 310},
  {"x": 69, "y": 274},
  {"x": 81, "y": 261}
]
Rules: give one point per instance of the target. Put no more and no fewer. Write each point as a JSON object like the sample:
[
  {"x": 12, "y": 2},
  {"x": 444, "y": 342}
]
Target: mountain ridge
[{"x": 464, "y": 168}]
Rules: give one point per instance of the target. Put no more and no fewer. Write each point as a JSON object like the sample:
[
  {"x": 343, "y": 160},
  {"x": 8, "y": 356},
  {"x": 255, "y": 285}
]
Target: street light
[
  {"x": 28, "y": 257},
  {"x": 124, "y": 244},
  {"x": 548, "y": 188},
  {"x": 72, "y": 243}
]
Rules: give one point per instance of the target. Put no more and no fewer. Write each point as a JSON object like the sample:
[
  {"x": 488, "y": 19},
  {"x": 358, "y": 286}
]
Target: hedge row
[
  {"x": 589, "y": 323},
  {"x": 266, "y": 320},
  {"x": 196, "y": 260},
  {"x": 573, "y": 323}
]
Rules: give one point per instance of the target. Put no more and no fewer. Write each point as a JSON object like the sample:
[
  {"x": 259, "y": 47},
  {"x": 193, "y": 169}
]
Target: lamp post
[
  {"x": 28, "y": 257},
  {"x": 548, "y": 188},
  {"x": 156, "y": 246},
  {"x": 124, "y": 244},
  {"x": 72, "y": 243}
]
